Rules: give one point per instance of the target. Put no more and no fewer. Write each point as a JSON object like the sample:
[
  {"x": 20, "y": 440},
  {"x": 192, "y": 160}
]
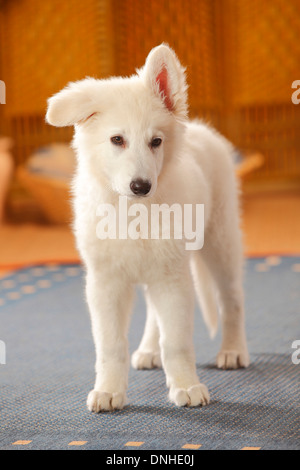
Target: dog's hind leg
[
  {"x": 223, "y": 255},
  {"x": 147, "y": 356}
]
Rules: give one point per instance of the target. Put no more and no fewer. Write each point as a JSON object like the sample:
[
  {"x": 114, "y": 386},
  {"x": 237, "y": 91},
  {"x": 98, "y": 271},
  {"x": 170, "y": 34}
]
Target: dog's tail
[{"x": 206, "y": 293}]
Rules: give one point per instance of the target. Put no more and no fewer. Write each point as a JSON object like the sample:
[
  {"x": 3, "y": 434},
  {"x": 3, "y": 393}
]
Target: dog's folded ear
[
  {"x": 166, "y": 77},
  {"x": 74, "y": 104}
]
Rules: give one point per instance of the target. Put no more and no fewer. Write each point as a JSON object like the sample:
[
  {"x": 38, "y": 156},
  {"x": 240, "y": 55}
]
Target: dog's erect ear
[
  {"x": 73, "y": 104},
  {"x": 166, "y": 77}
]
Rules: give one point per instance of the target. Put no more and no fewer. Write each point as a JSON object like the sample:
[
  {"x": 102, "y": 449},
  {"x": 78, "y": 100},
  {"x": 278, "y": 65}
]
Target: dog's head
[{"x": 125, "y": 128}]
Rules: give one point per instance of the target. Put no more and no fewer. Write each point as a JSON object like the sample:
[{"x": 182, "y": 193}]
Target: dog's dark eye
[
  {"x": 117, "y": 140},
  {"x": 156, "y": 142}
]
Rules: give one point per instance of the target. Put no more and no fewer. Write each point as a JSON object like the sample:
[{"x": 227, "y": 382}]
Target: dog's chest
[{"x": 139, "y": 260}]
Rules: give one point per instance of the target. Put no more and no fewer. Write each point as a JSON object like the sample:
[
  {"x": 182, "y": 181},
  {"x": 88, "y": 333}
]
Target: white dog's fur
[{"x": 193, "y": 164}]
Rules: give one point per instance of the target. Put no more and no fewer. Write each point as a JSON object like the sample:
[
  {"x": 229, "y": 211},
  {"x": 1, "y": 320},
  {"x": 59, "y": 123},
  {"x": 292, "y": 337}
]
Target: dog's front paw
[
  {"x": 103, "y": 401},
  {"x": 145, "y": 360},
  {"x": 231, "y": 359},
  {"x": 197, "y": 395}
]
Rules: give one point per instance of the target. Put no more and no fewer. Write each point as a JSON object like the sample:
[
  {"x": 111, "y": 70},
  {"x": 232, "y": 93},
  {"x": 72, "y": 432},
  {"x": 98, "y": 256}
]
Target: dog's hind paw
[
  {"x": 197, "y": 395},
  {"x": 228, "y": 359},
  {"x": 145, "y": 360},
  {"x": 103, "y": 401}
]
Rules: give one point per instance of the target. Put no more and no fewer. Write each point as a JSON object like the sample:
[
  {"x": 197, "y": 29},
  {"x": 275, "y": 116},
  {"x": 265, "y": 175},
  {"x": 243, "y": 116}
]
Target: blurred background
[{"x": 242, "y": 57}]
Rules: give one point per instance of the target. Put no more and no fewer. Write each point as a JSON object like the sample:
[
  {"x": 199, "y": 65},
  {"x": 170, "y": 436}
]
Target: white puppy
[{"x": 133, "y": 139}]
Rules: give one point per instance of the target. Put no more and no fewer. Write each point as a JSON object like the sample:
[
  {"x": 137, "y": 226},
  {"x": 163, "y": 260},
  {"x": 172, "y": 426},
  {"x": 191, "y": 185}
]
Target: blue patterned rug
[{"x": 49, "y": 370}]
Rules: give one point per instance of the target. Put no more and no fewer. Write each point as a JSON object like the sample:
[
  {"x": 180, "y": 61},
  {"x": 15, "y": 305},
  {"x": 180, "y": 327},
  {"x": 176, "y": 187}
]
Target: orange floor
[{"x": 271, "y": 225}]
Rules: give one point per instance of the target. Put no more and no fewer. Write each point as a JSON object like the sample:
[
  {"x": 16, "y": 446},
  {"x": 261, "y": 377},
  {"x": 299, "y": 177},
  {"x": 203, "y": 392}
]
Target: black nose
[{"x": 140, "y": 187}]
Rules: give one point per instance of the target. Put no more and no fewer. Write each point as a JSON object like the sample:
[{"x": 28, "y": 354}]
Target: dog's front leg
[
  {"x": 174, "y": 303},
  {"x": 109, "y": 303}
]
